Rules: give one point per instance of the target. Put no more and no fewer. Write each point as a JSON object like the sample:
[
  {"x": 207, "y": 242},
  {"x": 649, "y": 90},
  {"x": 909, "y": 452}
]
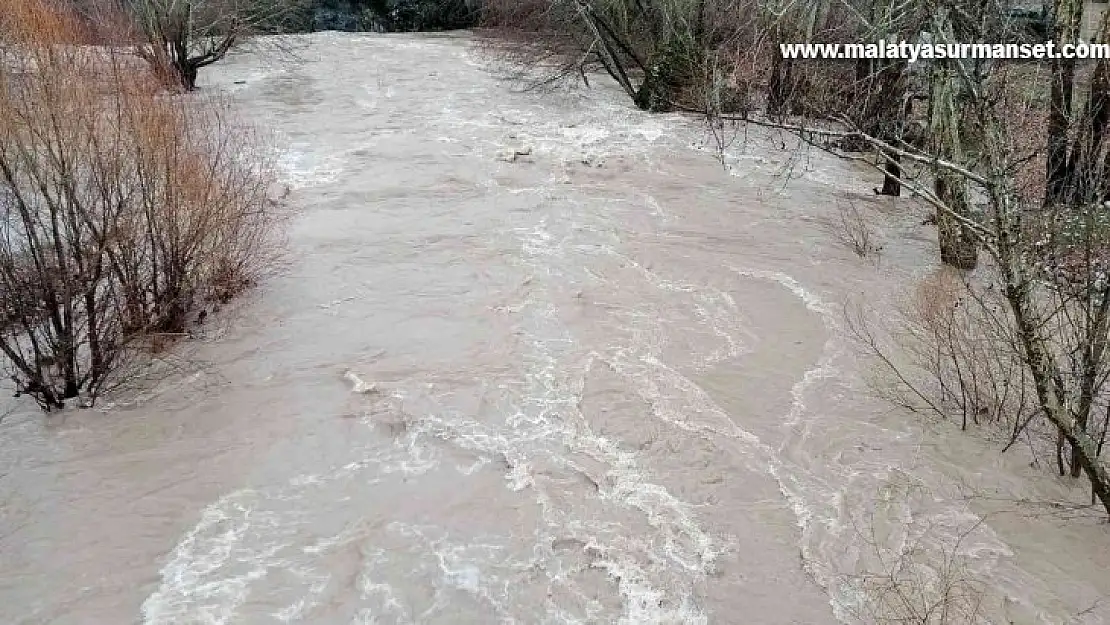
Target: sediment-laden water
[{"x": 529, "y": 358}]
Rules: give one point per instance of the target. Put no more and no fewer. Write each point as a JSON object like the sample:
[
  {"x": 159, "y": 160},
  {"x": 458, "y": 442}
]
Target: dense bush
[{"x": 124, "y": 210}]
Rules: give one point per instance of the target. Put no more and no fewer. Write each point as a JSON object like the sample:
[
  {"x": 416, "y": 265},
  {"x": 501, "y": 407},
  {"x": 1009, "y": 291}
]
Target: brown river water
[{"x": 607, "y": 381}]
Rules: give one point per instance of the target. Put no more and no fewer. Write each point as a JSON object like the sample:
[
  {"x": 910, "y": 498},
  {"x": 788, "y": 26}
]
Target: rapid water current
[{"x": 528, "y": 358}]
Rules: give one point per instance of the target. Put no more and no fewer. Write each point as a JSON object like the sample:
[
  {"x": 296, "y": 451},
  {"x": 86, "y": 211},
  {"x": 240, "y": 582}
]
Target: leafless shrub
[
  {"x": 958, "y": 335},
  {"x": 913, "y": 585},
  {"x": 961, "y": 356},
  {"x": 124, "y": 209},
  {"x": 669, "y": 55},
  {"x": 850, "y": 227}
]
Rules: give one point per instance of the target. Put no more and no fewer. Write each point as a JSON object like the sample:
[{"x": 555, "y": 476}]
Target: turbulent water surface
[{"x": 530, "y": 358}]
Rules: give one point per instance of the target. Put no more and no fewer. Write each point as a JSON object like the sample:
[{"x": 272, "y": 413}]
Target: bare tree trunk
[
  {"x": 1087, "y": 167},
  {"x": 892, "y": 184},
  {"x": 783, "y": 92},
  {"x": 187, "y": 73},
  {"x": 890, "y": 110},
  {"x": 959, "y": 247},
  {"x": 1057, "y": 171},
  {"x": 1066, "y": 17},
  {"x": 1037, "y": 355}
]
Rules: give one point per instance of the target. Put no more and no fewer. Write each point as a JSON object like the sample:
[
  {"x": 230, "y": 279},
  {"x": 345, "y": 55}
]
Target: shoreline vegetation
[
  {"x": 127, "y": 211},
  {"x": 1012, "y": 158}
]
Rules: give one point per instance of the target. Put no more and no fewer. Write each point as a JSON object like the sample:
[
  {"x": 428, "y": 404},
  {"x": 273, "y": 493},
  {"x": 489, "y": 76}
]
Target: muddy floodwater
[{"x": 527, "y": 358}]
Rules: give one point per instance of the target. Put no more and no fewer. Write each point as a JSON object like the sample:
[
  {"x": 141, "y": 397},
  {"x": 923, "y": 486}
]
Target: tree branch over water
[{"x": 976, "y": 153}]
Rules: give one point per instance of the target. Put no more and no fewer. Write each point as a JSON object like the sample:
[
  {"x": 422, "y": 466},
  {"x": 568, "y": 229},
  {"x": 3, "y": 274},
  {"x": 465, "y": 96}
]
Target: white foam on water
[
  {"x": 937, "y": 531},
  {"x": 296, "y": 611},
  {"x": 301, "y": 169},
  {"x": 186, "y": 593},
  {"x": 646, "y": 604},
  {"x": 585, "y": 136},
  {"x": 209, "y": 574},
  {"x": 244, "y": 535},
  {"x": 809, "y": 493},
  {"x": 649, "y": 133},
  {"x": 654, "y": 575},
  {"x": 383, "y": 594},
  {"x": 359, "y": 386},
  {"x": 552, "y": 407}
]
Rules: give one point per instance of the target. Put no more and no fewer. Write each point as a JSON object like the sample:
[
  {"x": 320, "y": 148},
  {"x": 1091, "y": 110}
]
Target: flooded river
[{"x": 528, "y": 358}]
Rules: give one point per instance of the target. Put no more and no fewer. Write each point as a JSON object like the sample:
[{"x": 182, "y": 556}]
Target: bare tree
[
  {"x": 662, "y": 53},
  {"x": 1065, "y": 18},
  {"x": 947, "y": 132},
  {"x": 1050, "y": 270},
  {"x": 1049, "y": 266},
  {"x": 179, "y": 37}
]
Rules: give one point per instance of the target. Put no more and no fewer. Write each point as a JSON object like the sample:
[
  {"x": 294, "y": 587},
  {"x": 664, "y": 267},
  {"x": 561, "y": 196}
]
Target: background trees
[
  {"x": 663, "y": 54},
  {"x": 380, "y": 15},
  {"x": 419, "y": 15}
]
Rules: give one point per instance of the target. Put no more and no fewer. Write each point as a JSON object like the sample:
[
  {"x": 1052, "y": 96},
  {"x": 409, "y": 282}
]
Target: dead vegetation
[
  {"x": 956, "y": 353},
  {"x": 179, "y": 38},
  {"x": 125, "y": 210},
  {"x": 850, "y": 227},
  {"x": 664, "y": 55},
  {"x": 962, "y": 353},
  {"x": 911, "y": 586}
]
